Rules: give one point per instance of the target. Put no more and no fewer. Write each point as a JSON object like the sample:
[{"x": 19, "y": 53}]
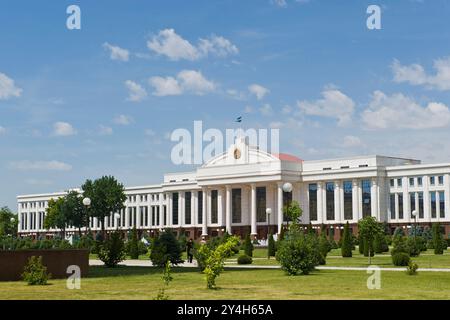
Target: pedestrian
[{"x": 189, "y": 250}]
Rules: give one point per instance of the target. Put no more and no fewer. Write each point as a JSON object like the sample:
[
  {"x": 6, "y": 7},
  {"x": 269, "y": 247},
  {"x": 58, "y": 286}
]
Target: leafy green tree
[
  {"x": 35, "y": 273},
  {"x": 324, "y": 245},
  {"x": 75, "y": 212},
  {"x": 215, "y": 259},
  {"x": 8, "y": 227},
  {"x": 293, "y": 212},
  {"x": 271, "y": 248},
  {"x": 166, "y": 248},
  {"x": 347, "y": 242},
  {"x": 369, "y": 228},
  {"x": 56, "y": 216},
  {"x": 112, "y": 251},
  {"x": 107, "y": 195}
]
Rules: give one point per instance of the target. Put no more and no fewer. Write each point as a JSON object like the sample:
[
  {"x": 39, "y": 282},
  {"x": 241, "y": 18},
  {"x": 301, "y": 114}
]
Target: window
[
  {"x": 433, "y": 204},
  {"x": 441, "y": 180},
  {"x": 421, "y": 215},
  {"x": 153, "y": 216},
  {"x": 420, "y": 181},
  {"x": 175, "y": 208},
  {"x": 363, "y": 165},
  {"x": 313, "y": 202},
  {"x": 400, "y": 206},
  {"x": 411, "y": 182},
  {"x": 348, "y": 200},
  {"x": 165, "y": 215},
  {"x": 432, "y": 181},
  {"x": 366, "y": 198},
  {"x": 326, "y": 169},
  {"x": 392, "y": 205},
  {"x": 187, "y": 207},
  {"x": 200, "y": 207},
  {"x": 287, "y": 199},
  {"x": 236, "y": 207},
  {"x": 157, "y": 215},
  {"x": 330, "y": 200},
  {"x": 399, "y": 183},
  {"x": 392, "y": 182},
  {"x": 261, "y": 204},
  {"x": 345, "y": 167},
  {"x": 214, "y": 206},
  {"x": 442, "y": 204},
  {"x": 412, "y": 201}
]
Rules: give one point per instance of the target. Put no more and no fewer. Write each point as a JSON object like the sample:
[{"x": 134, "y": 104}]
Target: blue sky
[{"x": 77, "y": 104}]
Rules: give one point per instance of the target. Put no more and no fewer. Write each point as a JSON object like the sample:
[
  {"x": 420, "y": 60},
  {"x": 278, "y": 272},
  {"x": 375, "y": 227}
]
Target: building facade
[{"x": 233, "y": 191}]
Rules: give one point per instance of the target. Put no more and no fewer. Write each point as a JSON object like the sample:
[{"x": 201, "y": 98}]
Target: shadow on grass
[{"x": 103, "y": 272}]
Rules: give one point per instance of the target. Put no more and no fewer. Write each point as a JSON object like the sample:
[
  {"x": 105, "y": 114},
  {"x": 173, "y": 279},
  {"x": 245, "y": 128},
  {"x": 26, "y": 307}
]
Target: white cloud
[
  {"x": 104, "y": 130},
  {"x": 123, "y": 120},
  {"x": 149, "y": 132},
  {"x": 8, "y": 88},
  {"x": 258, "y": 90},
  {"x": 187, "y": 81},
  {"x": 136, "y": 92},
  {"x": 63, "y": 129},
  {"x": 168, "y": 43},
  {"x": 280, "y": 3},
  {"x": 2, "y": 130},
  {"x": 352, "y": 142},
  {"x": 248, "y": 109},
  {"x": 117, "y": 53},
  {"x": 402, "y": 112},
  {"x": 415, "y": 74},
  {"x": 266, "y": 110},
  {"x": 53, "y": 165},
  {"x": 334, "y": 104}
]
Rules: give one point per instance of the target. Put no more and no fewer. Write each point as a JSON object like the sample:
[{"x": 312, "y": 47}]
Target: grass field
[{"x": 188, "y": 283}]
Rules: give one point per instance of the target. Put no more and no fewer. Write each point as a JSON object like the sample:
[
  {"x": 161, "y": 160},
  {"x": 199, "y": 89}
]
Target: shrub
[
  {"x": 346, "y": 248},
  {"x": 296, "y": 254},
  {"x": 414, "y": 245},
  {"x": 164, "y": 248},
  {"x": 35, "y": 273},
  {"x": 400, "y": 259},
  {"x": 248, "y": 246},
  {"x": 271, "y": 248},
  {"x": 411, "y": 269},
  {"x": 399, "y": 232},
  {"x": 324, "y": 245},
  {"x": 368, "y": 247},
  {"x": 244, "y": 259},
  {"x": 112, "y": 251}
]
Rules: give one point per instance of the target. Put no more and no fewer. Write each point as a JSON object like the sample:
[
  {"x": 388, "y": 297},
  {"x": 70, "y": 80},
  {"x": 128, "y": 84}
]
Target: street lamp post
[
  {"x": 87, "y": 203},
  {"x": 414, "y": 214},
  {"x": 287, "y": 187},
  {"x": 268, "y": 212},
  {"x": 116, "y": 218}
]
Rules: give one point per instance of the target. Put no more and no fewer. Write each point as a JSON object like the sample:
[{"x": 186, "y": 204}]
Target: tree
[
  {"x": 133, "y": 245},
  {"x": 293, "y": 212},
  {"x": 347, "y": 242},
  {"x": 324, "y": 245},
  {"x": 166, "y": 248},
  {"x": 8, "y": 227},
  {"x": 271, "y": 248},
  {"x": 75, "y": 212},
  {"x": 107, "y": 196},
  {"x": 215, "y": 259},
  {"x": 56, "y": 216},
  {"x": 112, "y": 251},
  {"x": 368, "y": 229},
  {"x": 438, "y": 240},
  {"x": 248, "y": 246}
]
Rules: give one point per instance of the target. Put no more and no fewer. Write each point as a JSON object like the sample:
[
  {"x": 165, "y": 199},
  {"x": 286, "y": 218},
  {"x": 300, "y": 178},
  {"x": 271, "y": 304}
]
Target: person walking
[{"x": 189, "y": 250}]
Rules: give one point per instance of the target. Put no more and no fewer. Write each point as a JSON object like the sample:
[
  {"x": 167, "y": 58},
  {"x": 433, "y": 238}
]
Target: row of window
[
  {"x": 416, "y": 200},
  {"x": 33, "y": 205},
  {"x": 417, "y": 181},
  {"x": 144, "y": 197},
  {"x": 348, "y": 200},
  {"x": 36, "y": 220}
]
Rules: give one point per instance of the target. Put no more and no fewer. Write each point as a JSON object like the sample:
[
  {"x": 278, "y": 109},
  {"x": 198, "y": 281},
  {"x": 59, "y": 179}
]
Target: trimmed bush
[
  {"x": 271, "y": 248},
  {"x": 132, "y": 245},
  {"x": 400, "y": 259},
  {"x": 244, "y": 259},
  {"x": 166, "y": 248},
  {"x": 248, "y": 246},
  {"x": 35, "y": 273},
  {"x": 438, "y": 240},
  {"x": 347, "y": 242},
  {"x": 411, "y": 269},
  {"x": 324, "y": 245}
]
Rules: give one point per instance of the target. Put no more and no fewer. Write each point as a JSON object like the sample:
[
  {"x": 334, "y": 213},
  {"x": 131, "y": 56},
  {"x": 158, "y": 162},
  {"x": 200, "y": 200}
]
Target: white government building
[{"x": 243, "y": 191}]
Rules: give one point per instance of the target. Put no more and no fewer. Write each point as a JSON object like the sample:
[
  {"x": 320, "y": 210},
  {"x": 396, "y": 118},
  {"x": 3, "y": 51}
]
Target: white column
[
  {"x": 280, "y": 206},
  {"x": 161, "y": 210},
  {"x": 28, "y": 221},
  {"x": 169, "y": 210},
  {"x": 337, "y": 201},
  {"x": 38, "y": 220},
  {"x": 320, "y": 203},
  {"x": 406, "y": 203},
  {"x": 193, "y": 203},
  {"x": 228, "y": 209},
  {"x": 253, "y": 210},
  {"x": 374, "y": 199},
  {"x": 204, "y": 212},
  {"x": 426, "y": 199},
  {"x": 360, "y": 204},
  {"x": 447, "y": 196},
  {"x": 220, "y": 211}
]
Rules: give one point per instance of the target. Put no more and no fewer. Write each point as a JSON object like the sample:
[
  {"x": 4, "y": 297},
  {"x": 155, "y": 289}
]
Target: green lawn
[{"x": 188, "y": 283}]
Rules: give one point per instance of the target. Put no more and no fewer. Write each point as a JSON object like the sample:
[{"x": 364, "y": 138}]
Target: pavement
[{"x": 148, "y": 263}]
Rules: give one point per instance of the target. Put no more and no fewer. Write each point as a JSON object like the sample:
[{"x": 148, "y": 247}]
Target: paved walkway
[{"x": 148, "y": 263}]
